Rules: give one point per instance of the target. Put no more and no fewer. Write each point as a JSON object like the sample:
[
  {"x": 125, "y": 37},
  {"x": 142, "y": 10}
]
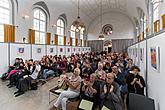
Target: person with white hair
[{"x": 73, "y": 91}]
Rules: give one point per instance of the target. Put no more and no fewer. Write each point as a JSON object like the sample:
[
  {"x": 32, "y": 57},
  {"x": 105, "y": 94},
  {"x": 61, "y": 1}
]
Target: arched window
[
  {"x": 156, "y": 4},
  {"x": 82, "y": 35},
  {"x": 73, "y": 35},
  {"x": 39, "y": 25},
  {"x": 60, "y": 31},
  {"x": 5, "y": 16}
]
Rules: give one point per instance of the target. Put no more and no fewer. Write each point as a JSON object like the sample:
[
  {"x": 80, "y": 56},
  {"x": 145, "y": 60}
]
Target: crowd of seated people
[{"x": 104, "y": 79}]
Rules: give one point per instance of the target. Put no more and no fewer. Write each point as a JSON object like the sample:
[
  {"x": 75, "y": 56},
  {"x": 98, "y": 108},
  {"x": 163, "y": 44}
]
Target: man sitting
[{"x": 113, "y": 99}]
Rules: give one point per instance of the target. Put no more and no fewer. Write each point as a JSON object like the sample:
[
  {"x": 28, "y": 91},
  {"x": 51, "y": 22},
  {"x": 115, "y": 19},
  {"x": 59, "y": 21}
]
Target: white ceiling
[{"x": 90, "y": 9}]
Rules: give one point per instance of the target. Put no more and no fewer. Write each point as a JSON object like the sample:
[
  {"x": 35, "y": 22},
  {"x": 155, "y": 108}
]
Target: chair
[
  {"x": 55, "y": 92},
  {"x": 140, "y": 102}
]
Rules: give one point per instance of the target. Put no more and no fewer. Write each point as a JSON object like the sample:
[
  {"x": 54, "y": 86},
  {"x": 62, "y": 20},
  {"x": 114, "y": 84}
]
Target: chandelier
[
  {"x": 101, "y": 35},
  {"x": 78, "y": 24}
]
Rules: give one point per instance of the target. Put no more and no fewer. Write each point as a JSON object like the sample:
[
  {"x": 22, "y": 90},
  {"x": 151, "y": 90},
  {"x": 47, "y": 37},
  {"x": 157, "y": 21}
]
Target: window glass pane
[
  {"x": 1, "y": 33},
  {"x": 42, "y": 38},
  {"x": 42, "y": 16},
  {"x": 62, "y": 23},
  {"x": 4, "y": 16},
  {"x": 39, "y": 24},
  {"x": 58, "y": 22},
  {"x": 36, "y": 24},
  {"x": 37, "y": 37},
  {"x": 81, "y": 36},
  {"x": 73, "y": 42},
  {"x": 36, "y": 14},
  {"x": 58, "y": 31},
  {"x": 72, "y": 34},
  {"x": 60, "y": 40},
  {"x": 4, "y": 3},
  {"x": 62, "y": 32}
]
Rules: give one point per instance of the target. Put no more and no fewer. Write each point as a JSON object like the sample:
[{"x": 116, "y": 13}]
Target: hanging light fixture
[
  {"x": 101, "y": 36},
  {"x": 78, "y": 24}
]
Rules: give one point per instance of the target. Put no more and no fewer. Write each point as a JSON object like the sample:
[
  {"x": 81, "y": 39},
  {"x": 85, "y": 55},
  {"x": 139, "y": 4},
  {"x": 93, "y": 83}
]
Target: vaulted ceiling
[{"x": 90, "y": 9}]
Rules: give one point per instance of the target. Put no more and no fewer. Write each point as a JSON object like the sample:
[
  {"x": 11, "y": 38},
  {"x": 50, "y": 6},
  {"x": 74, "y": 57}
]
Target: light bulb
[
  {"x": 77, "y": 30},
  {"x": 79, "y": 27}
]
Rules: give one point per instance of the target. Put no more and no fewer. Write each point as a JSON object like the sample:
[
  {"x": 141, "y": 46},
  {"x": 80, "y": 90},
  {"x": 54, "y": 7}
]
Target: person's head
[
  {"x": 135, "y": 70},
  {"x": 93, "y": 77},
  {"x": 114, "y": 69},
  {"x": 76, "y": 72},
  {"x": 20, "y": 60},
  {"x": 130, "y": 61},
  {"x": 110, "y": 78},
  {"x": 107, "y": 65},
  {"x": 78, "y": 65},
  {"x": 21, "y": 64},
  {"x": 16, "y": 60},
  {"x": 100, "y": 66},
  {"x": 88, "y": 65},
  {"x": 31, "y": 61}
]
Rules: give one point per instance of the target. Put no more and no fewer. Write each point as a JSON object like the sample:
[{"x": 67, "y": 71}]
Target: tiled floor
[{"x": 31, "y": 100}]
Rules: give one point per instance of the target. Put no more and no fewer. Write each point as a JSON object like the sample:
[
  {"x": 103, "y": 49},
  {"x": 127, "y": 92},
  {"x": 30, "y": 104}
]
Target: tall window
[
  {"x": 145, "y": 26},
  {"x": 60, "y": 31},
  {"x": 156, "y": 4},
  {"x": 82, "y": 36},
  {"x": 5, "y": 16},
  {"x": 73, "y": 35},
  {"x": 39, "y": 24}
]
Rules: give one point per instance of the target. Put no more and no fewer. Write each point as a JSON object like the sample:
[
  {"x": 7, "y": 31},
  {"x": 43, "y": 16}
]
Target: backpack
[
  {"x": 34, "y": 85},
  {"x": 4, "y": 76}
]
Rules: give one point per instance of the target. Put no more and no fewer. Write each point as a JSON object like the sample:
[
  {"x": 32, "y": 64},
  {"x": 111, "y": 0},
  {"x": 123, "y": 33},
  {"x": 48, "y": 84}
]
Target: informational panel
[
  {"x": 79, "y": 50},
  {"x": 61, "y": 50},
  {"x": 68, "y": 50},
  {"x": 86, "y": 49},
  {"x": 19, "y": 51},
  {"x": 89, "y": 49},
  {"x": 142, "y": 58},
  {"x": 4, "y": 58},
  {"x": 73, "y": 50},
  {"x": 38, "y": 51},
  {"x": 83, "y": 49},
  {"x": 51, "y": 50}
]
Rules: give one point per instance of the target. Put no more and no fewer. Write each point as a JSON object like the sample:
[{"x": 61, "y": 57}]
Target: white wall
[
  {"x": 14, "y": 52},
  {"x": 123, "y": 27},
  {"x": 155, "y": 78}
]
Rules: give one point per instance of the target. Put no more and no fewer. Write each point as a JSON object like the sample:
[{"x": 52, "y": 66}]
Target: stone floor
[{"x": 31, "y": 100}]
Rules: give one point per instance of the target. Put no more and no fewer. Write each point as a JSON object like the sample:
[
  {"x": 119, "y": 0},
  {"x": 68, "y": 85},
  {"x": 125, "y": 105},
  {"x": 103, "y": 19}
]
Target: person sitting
[
  {"x": 88, "y": 89},
  {"x": 113, "y": 99},
  {"x": 100, "y": 72},
  {"x": 135, "y": 82},
  {"x": 73, "y": 90},
  {"x": 14, "y": 66},
  {"x": 24, "y": 79},
  {"x": 107, "y": 68},
  {"x": 51, "y": 70},
  {"x": 87, "y": 70}
]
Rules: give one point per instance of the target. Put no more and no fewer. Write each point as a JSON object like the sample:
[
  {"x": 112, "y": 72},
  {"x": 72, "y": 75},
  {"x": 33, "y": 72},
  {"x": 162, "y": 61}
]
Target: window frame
[
  {"x": 60, "y": 27},
  {"x": 39, "y": 30},
  {"x": 10, "y": 17}
]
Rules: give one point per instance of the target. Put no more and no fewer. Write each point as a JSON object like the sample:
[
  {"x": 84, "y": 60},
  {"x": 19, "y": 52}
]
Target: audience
[{"x": 102, "y": 78}]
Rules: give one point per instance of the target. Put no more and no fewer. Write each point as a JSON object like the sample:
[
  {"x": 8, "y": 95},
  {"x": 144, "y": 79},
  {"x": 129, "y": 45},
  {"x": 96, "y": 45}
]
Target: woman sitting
[{"x": 73, "y": 91}]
